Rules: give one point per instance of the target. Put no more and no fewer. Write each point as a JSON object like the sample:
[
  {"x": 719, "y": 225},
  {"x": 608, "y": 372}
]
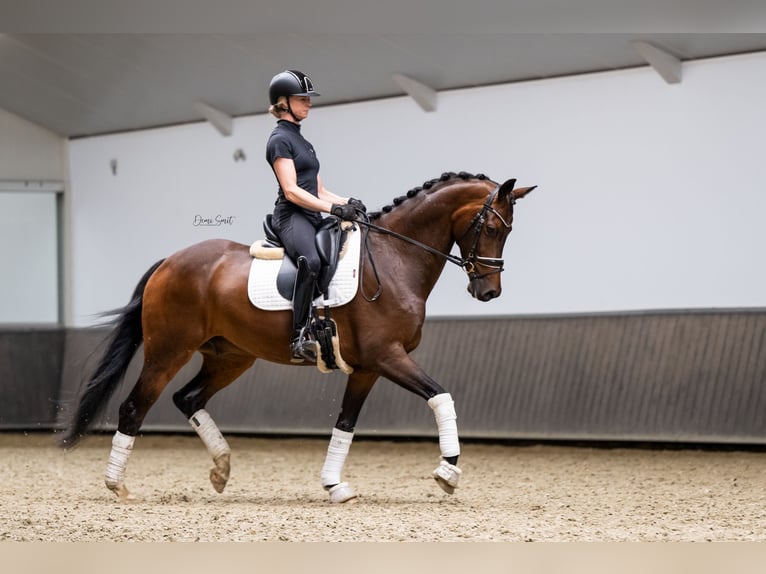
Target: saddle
[{"x": 330, "y": 239}]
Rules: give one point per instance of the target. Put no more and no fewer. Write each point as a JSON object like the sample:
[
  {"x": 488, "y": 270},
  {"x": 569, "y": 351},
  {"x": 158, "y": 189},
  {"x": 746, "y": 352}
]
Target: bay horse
[{"x": 196, "y": 301}]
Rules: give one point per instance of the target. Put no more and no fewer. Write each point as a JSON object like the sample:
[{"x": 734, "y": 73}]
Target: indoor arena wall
[
  {"x": 633, "y": 304},
  {"x": 691, "y": 377},
  {"x": 650, "y": 195}
]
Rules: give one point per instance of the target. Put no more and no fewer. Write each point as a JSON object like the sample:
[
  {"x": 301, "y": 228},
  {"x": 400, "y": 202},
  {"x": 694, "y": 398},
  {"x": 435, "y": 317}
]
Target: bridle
[
  {"x": 477, "y": 226},
  {"x": 469, "y": 263}
]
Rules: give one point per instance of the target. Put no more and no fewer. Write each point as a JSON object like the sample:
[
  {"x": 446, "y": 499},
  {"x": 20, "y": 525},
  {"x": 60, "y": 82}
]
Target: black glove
[
  {"x": 344, "y": 211},
  {"x": 357, "y": 203}
]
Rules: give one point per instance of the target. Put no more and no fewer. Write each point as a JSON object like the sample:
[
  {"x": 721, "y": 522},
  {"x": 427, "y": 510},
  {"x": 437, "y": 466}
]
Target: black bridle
[
  {"x": 477, "y": 226},
  {"x": 468, "y": 264}
]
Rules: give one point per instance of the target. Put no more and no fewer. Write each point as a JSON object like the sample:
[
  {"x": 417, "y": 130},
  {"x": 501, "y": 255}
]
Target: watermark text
[{"x": 217, "y": 221}]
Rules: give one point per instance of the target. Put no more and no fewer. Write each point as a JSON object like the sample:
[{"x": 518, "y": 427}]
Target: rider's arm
[{"x": 288, "y": 181}]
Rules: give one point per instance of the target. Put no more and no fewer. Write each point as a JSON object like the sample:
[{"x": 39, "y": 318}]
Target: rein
[
  {"x": 468, "y": 264},
  {"x": 448, "y": 256}
]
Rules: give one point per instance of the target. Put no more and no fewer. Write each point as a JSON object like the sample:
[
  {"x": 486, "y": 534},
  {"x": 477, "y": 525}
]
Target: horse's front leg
[
  {"x": 402, "y": 370},
  {"x": 358, "y": 388},
  {"x": 447, "y": 473}
]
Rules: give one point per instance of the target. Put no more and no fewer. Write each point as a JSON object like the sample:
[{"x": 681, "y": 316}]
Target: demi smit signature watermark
[{"x": 217, "y": 221}]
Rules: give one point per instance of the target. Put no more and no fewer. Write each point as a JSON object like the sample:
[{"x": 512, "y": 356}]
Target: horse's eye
[{"x": 491, "y": 231}]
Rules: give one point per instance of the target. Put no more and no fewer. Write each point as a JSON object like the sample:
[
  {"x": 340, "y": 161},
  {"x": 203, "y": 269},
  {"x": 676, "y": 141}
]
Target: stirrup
[{"x": 303, "y": 349}]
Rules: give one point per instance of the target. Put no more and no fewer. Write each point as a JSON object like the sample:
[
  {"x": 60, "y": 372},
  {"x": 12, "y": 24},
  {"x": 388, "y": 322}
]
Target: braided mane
[{"x": 446, "y": 176}]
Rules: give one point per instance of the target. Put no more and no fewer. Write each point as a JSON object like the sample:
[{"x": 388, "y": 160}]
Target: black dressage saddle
[{"x": 329, "y": 239}]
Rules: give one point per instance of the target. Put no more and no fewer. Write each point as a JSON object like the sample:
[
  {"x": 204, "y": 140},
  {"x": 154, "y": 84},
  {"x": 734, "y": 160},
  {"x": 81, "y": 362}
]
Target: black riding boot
[{"x": 301, "y": 347}]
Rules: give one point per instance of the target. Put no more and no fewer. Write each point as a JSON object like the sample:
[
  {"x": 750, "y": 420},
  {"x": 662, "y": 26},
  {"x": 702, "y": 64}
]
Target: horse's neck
[
  {"x": 432, "y": 229},
  {"x": 426, "y": 225}
]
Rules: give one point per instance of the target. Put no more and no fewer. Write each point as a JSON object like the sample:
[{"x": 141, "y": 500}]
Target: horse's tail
[{"x": 123, "y": 343}]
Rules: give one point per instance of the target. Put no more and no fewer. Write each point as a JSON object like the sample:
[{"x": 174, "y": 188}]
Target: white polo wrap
[
  {"x": 122, "y": 446},
  {"x": 337, "y": 451},
  {"x": 446, "y": 421},
  {"x": 207, "y": 430}
]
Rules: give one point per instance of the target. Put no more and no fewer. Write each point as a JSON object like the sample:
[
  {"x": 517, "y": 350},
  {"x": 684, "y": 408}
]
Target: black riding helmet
[{"x": 290, "y": 83}]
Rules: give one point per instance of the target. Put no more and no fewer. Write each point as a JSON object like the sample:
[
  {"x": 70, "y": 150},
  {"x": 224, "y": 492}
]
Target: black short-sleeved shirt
[{"x": 286, "y": 141}]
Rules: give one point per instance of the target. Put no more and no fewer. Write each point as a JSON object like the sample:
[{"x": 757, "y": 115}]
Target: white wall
[{"x": 651, "y": 195}]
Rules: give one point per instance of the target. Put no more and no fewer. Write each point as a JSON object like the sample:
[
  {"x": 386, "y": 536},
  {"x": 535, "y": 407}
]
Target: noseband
[{"x": 472, "y": 260}]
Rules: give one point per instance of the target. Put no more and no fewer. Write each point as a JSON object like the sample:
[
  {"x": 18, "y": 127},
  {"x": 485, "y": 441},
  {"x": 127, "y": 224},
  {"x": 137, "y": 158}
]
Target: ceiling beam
[
  {"x": 664, "y": 63},
  {"x": 425, "y": 96},
  {"x": 220, "y": 120}
]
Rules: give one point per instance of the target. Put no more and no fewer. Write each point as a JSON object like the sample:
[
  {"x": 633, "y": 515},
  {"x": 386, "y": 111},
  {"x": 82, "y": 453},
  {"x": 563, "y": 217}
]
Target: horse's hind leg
[
  {"x": 156, "y": 373},
  {"x": 358, "y": 387},
  {"x": 222, "y": 364}
]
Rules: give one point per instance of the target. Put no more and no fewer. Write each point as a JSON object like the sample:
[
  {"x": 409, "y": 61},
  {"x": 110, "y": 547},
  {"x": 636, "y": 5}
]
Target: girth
[{"x": 329, "y": 240}]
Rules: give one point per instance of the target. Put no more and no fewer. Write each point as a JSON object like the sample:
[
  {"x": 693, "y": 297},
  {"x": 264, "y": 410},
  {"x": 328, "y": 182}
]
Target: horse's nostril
[{"x": 489, "y": 295}]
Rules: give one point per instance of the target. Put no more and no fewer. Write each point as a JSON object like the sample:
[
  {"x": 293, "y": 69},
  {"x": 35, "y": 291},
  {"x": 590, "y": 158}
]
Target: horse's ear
[
  {"x": 506, "y": 188},
  {"x": 522, "y": 191}
]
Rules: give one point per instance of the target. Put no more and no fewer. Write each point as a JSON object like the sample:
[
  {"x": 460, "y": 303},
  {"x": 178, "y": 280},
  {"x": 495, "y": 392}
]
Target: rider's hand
[
  {"x": 345, "y": 211},
  {"x": 357, "y": 203}
]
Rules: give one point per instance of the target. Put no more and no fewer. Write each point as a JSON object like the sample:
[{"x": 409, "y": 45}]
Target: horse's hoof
[
  {"x": 217, "y": 480},
  {"x": 219, "y": 474},
  {"x": 342, "y": 493},
  {"x": 446, "y": 476},
  {"x": 121, "y": 491}
]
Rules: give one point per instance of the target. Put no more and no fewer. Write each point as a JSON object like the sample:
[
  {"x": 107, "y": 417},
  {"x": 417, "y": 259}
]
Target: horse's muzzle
[{"x": 482, "y": 293}]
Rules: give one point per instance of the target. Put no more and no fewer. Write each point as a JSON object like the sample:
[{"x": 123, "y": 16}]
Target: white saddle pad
[{"x": 262, "y": 282}]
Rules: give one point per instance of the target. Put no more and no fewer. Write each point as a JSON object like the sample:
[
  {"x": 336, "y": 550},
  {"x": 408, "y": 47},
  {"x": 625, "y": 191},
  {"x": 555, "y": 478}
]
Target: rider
[{"x": 301, "y": 198}]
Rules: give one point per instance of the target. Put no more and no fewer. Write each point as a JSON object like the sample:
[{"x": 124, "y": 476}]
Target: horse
[{"x": 195, "y": 301}]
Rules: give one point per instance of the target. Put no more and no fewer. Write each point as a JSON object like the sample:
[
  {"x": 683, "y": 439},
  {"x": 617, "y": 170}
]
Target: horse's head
[
  {"x": 479, "y": 213},
  {"x": 481, "y": 232}
]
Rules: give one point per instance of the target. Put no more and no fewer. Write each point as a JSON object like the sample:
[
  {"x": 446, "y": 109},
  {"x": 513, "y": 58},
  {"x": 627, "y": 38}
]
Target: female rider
[{"x": 301, "y": 197}]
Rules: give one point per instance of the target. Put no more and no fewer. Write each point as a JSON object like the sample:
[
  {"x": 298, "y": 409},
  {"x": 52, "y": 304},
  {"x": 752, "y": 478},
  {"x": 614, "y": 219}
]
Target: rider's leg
[
  {"x": 305, "y": 281},
  {"x": 297, "y": 232}
]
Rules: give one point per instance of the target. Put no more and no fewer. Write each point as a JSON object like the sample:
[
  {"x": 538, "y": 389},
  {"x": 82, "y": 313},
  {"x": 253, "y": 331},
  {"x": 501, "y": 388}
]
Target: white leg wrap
[
  {"x": 446, "y": 421},
  {"x": 122, "y": 446},
  {"x": 207, "y": 430},
  {"x": 337, "y": 451}
]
